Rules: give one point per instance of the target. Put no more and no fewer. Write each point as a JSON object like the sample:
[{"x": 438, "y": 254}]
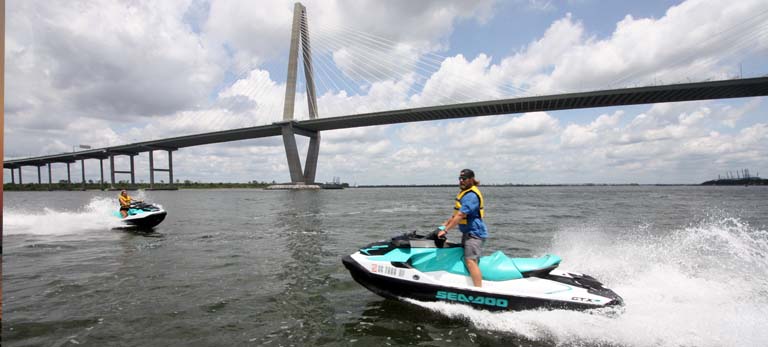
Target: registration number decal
[{"x": 387, "y": 270}]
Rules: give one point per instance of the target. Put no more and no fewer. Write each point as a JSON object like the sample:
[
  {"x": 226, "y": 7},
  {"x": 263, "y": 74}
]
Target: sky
[{"x": 104, "y": 72}]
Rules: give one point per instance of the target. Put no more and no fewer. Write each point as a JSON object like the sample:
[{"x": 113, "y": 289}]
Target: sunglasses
[{"x": 462, "y": 178}]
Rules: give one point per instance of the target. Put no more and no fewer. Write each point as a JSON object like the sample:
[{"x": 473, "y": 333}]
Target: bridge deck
[{"x": 736, "y": 88}]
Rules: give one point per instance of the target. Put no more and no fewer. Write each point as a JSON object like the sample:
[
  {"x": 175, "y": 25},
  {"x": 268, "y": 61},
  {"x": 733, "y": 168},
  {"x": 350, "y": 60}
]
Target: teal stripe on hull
[
  {"x": 131, "y": 212},
  {"x": 495, "y": 267}
]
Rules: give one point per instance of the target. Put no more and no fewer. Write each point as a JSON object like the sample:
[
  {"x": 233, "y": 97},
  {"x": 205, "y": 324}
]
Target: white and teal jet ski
[
  {"x": 141, "y": 215},
  {"x": 426, "y": 269}
]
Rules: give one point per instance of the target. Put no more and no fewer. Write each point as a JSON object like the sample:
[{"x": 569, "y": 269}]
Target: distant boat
[
  {"x": 292, "y": 186},
  {"x": 336, "y": 184},
  {"x": 331, "y": 186}
]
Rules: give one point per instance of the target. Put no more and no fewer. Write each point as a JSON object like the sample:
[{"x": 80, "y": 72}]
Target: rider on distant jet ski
[
  {"x": 125, "y": 203},
  {"x": 468, "y": 214}
]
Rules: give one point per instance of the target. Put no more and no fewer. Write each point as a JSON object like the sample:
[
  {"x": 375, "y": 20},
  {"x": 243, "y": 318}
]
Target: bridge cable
[
  {"x": 428, "y": 56},
  {"x": 355, "y": 49}
]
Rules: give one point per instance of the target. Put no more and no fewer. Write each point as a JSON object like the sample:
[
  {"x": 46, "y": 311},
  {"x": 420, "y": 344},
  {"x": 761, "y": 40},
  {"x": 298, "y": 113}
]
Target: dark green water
[{"x": 253, "y": 267}]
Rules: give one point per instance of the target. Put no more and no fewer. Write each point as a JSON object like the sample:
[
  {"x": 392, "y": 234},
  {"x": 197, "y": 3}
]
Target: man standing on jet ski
[{"x": 468, "y": 215}]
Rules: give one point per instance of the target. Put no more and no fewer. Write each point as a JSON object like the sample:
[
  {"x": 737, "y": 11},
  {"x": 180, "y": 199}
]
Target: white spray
[
  {"x": 98, "y": 215},
  {"x": 702, "y": 285}
]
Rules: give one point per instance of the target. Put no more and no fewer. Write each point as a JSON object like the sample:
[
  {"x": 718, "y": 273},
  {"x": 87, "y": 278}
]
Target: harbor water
[{"x": 263, "y": 268}]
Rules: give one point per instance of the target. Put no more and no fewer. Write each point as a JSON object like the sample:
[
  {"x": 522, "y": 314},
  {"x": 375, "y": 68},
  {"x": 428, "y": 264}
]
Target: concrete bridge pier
[
  {"x": 307, "y": 176},
  {"x": 313, "y": 152},
  {"x": 20, "y": 180},
  {"x": 13, "y": 175},
  {"x": 50, "y": 180},
  {"x": 82, "y": 169},
  {"x": 39, "y": 179},
  {"x": 113, "y": 171},
  {"x": 152, "y": 168},
  {"x": 292, "y": 154},
  {"x": 101, "y": 172},
  {"x": 170, "y": 167}
]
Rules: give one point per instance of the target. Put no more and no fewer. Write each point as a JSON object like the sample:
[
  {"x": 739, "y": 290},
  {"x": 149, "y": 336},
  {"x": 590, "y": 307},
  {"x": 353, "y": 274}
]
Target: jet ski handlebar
[
  {"x": 439, "y": 240},
  {"x": 141, "y": 205},
  {"x": 415, "y": 236}
]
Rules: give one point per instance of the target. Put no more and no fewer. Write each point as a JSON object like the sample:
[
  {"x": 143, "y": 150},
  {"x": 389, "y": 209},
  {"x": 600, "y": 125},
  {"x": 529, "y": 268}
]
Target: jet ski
[
  {"x": 142, "y": 215},
  {"x": 425, "y": 268}
]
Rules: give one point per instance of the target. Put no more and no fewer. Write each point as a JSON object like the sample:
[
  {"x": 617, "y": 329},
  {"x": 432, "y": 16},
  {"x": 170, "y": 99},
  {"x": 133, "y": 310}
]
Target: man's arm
[
  {"x": 451, "y": 222},
  {"x": 468, "y": 203}
]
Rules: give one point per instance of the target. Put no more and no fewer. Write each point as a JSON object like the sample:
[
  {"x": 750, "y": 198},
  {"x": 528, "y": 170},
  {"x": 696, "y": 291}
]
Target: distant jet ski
[
  {"x": 142, "y": 215},
  {"x": 423, "y": 268}
]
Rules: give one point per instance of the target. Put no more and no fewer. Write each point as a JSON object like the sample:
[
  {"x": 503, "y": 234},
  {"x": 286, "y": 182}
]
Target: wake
[
  {"x": 701, "y": 285},
  {"x": 97, "y": 215}
]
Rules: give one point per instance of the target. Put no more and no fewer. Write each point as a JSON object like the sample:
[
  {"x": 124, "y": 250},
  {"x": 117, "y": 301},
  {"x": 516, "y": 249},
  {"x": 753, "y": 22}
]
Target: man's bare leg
[{"x": 474, "y": 271}]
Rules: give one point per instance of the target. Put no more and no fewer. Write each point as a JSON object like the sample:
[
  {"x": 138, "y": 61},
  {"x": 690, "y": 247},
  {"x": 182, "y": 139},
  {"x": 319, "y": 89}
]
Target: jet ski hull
[
  {"x": 550, "y": 289},
  {"x": 141, "y": 216},
  {"x": 145, "y": 220}
]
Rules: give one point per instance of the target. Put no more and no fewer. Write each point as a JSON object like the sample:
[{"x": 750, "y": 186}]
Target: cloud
[
  {"x": 732, "y": 115},
  {"x": 419, "y": 132},
  {"x": 459, "y": 80},
  {"x": 541, "y": 5},
  {"x": 112, "y": 72},
  {"x": 105, "y": 59},
  {"x": 602, "y": 128},
  {"x": 529, "y": 125},
  {"x": 529, "y": 69},
  {"x": 341, "y": 29},
  {"x": 248, "y": 36},
  {"x": 689, "y": 41}
]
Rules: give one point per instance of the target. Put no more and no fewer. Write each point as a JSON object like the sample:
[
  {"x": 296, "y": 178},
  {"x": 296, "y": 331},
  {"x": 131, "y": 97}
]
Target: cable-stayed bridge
[{"x": 456, "y": 104}]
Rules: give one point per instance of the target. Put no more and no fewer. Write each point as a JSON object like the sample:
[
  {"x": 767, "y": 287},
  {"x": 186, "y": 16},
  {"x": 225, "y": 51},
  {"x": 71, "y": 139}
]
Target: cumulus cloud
[
  {"x": 459, "y": 80},
  {"x": 112, "y": 72},
  {"x": 347, "y": 31},
  {"x": 575, "y": 135},
  {"x": 530, "y": 124},
  {"x": 105, "y": 59},
  {"x": 419, "y": 132},
  {"x": 731, "y": 115},
  {"x": 691, "y": 39}
]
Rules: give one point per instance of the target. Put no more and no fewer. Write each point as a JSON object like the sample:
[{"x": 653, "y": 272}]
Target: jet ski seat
[
  {"x": 495, "y": 267},
  {"x": 499, "y": 267}
]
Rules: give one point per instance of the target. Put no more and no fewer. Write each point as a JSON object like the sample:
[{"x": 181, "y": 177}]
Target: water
[{"x": 253, "y": 267}]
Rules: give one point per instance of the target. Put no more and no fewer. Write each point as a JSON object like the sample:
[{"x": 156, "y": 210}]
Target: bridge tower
[{"x": 300, "y": 42}]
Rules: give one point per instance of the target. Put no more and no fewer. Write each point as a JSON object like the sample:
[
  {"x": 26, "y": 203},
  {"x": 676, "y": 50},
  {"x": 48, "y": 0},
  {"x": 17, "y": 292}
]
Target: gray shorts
[{"x": 473, "y": 247}]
